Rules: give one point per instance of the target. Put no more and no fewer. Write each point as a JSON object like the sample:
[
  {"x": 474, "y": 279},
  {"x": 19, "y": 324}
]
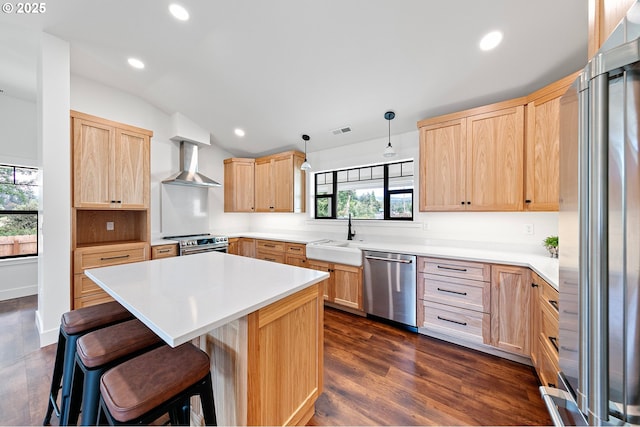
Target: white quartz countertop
[{"x": 181, "y": 298}]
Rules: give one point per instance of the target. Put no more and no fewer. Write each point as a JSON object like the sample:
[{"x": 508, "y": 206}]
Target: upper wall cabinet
[
  {"x": 110, "y": 164},
  {"x": 604, "y": 16},
  {"x": 239, "y": 181},
  {"x": 473, "y": 160},
  {"x": 542, "y": 146},
  {"x": 279, "y": 183}
]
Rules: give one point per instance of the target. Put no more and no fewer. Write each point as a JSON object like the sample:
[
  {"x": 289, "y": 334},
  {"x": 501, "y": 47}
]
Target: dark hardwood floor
[{"x": 375, "y": 374}]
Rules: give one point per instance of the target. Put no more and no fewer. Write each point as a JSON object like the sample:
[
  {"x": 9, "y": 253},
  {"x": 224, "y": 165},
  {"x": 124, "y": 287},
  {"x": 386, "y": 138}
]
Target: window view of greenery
[
  {"x": 361, "y": 192},
  {"x": 18, "y": 211}
]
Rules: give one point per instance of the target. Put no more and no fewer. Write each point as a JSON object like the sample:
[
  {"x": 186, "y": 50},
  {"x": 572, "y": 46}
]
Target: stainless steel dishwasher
[{"x": 390, "y": 286}]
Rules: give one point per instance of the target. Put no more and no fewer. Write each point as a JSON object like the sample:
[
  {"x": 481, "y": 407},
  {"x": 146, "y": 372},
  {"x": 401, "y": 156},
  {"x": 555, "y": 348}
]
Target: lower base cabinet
[
  {"x": 545, "y": 330},
  {"x": 344, "y": 285},
  {"x": 510, "y": 300}
]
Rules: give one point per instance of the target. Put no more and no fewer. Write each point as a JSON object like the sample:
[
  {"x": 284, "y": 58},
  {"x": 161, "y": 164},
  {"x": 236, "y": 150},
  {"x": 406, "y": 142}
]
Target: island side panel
[{"x": 285, "y": 364}]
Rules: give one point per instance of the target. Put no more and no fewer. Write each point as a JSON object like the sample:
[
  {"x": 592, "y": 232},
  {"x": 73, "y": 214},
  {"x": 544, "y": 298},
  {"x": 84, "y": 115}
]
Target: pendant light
[
  {"x": 389, "y": 151},
  {"x": 306, "y": 165}
]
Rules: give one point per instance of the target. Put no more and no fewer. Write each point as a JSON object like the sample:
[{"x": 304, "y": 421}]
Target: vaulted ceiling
[{"x": 281, "y": 68}]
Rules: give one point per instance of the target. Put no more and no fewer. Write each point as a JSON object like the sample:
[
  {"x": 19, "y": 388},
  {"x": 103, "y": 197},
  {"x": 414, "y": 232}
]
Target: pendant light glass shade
[
  {"x": 389, "y": 151},
  {"x": 306, "y": 165}
]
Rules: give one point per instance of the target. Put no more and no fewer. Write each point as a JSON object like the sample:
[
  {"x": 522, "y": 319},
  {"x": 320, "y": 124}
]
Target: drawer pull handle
[
  {"x": 552, "y": 385},
  {"x": 554, "y": 342},
  {"x": 109, "y": 258},
  {"x": 452, "y": 268},
  {"x": 269, "y": 259},
  {"x": 269, "y": 246},
  {"x": 554, "y": 303},
  {"x": 452, "y": 292},
  {"x": 163, "y": 251},
  {"x": 295, "y": 249},
  {"x": 452, "y": 321}
]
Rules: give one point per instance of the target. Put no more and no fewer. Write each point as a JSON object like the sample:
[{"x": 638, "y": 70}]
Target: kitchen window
[
  {"x": 19, "y": 193},
  {"x": 383, "y": 192}
]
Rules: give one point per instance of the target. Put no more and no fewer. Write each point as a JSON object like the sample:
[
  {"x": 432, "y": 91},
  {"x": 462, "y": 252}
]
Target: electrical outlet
[
  {"x": 528, "y": 229},
  {"x": 110, "y": 225}
]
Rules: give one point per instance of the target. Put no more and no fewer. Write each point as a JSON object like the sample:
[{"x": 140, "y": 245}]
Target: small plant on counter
[{"x": 551, "y": 243}]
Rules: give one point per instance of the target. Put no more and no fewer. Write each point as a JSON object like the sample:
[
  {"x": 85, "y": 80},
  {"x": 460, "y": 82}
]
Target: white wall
[
  {"x": 54, "y": 160},
  {"x": 18, "y": 146},
  {"x": 482, "y": 229},
  {"x": 94, "y": 98}
]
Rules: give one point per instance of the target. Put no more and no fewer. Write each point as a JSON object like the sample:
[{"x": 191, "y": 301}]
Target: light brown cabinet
[
  {"x": 542, "y": 149},
  {"x": 279, "y": 183},
  {"x": 604, "y": 16},
  {"x": 344, "y": 285},
  {"x": 295, "y": 254},
  {"x": 454, "y": 298},
  {"x": 111, "y": 164},
  {"x": 164, "y": 251},
  {"x": 110, "y": 206},
  {"x": 239, "y": 179},
  {"x": 473, "y": 160},
  {"x": 510, "y": 316},
  {"x": 545, "y": 340},
  {"x": 270, "y": 250}
]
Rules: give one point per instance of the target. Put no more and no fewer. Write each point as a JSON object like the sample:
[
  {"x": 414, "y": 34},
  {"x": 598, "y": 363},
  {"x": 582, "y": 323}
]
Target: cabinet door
[
  {"x": 263, "y": 184},
  {"x": 348, "y": 286},
  {"x": 543, "y": 155},
  {"x": 442, "y": 166},
  {"x": 604, "y": 16},
  {"x": 93, "y": 158},
  {"x": 239, "y": 181},
  {"x": 495, "y": 144},
  {"x": 283, "y": 183},
  {"x": 534, "y": 317},
  {"x": 510, "y": 298},
  {"x": 247, "y": 247},
  {"x": 131, "y": 170},
  {"x": 323, "y": 266}
]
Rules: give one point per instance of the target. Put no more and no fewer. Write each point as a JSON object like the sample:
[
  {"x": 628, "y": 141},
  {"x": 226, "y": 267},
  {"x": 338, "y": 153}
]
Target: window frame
[
  {"x": 21, "y": 212},
  {"x": 387, "y": 194}
]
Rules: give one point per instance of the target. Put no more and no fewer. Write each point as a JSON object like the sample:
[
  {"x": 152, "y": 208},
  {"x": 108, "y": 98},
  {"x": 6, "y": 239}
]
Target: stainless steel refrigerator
[{"x": 599, "y": 230}]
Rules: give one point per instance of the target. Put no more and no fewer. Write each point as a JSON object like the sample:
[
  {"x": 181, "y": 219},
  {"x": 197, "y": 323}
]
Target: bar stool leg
[
  {"x": 56, "y": 380},
  {"x": 206, "y": 397},
  {"x": 67, "y": 376}
]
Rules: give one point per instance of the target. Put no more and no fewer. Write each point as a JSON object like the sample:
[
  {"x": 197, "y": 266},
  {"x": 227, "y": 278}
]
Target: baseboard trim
[
  {"x": 24, "y": 291},
  {"x": 46, "y": 337}
]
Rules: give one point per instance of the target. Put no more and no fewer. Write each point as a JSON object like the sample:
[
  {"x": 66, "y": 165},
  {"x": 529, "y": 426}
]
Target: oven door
[{"x": 201, "y": 249}]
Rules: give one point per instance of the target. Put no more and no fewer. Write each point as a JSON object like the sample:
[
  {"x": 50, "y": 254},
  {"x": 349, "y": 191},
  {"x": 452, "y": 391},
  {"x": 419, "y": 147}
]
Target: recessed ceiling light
[
  {"x": 491, "y": 40},
  {"x": 239, "y": 132},
  {"x": 136, "y": 63},
  {"x": 179, "y": 12}
]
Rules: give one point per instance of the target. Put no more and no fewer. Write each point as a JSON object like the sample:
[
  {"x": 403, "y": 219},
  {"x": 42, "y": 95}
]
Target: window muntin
[
  {"x": 371, "y": 192},
  {"x": 19, "y": 194}
]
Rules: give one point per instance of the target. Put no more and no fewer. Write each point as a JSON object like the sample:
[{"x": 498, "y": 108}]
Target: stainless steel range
[{"x": 197, "y": 243}]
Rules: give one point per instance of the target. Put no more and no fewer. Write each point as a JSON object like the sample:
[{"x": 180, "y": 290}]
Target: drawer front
[
  {"x": 469, "y": 294},
  {"x": 547, "y": 367},
  {"x": 90, "y": 300},
  {"x": 164, "y": 251},
  {"x": 454, "y": 268},
  {"x": 549, "y": 331},
  {"x": 270, "y": 245},
  {"x": 83, "y": 286},
  {"x": 296, "y": 249},
  {"x": 270, "y": 256},
  {"x": 466, "y": 324},
  {"x": 85, "y": 259},
  {"x": 549, "y": 296}
]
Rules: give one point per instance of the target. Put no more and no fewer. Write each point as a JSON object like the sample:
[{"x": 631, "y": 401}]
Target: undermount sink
[{"x": 338, "y": 251}]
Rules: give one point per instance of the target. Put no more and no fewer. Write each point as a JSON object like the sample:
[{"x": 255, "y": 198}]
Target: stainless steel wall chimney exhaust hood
[{"x": 189, "y": 174}]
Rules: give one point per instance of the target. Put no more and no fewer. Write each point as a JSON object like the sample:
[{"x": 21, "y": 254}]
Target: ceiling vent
[{"x": 341, "y": 130}]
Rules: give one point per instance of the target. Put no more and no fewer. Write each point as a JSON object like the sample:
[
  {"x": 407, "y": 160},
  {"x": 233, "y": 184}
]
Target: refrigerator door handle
[{"x": 555, "y": 398}]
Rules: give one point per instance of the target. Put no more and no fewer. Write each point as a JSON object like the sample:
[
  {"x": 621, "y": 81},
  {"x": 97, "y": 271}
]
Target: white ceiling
[{"x": 281, "y": 68}]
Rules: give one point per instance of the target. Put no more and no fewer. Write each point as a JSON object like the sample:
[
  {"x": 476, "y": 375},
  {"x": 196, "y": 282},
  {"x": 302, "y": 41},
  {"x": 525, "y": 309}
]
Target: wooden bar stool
[
  {"x": 158, "y": 382},
  {"x": 98, "y": 351},
  {"x": 73, "y": 325}
]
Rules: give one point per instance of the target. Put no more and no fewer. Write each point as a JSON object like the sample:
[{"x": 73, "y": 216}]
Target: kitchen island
[{"x": 260, "y": 322}]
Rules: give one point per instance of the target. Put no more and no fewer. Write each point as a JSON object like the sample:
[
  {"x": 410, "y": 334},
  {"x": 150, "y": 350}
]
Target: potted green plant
[{"x": 551, "y": 243}]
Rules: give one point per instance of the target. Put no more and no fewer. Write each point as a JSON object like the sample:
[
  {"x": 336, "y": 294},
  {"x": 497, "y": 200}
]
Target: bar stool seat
[
  {"x": 98, "y": 351},
  {"x": 160, "y": 381},
  {"x": 73, "y": 325}
]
